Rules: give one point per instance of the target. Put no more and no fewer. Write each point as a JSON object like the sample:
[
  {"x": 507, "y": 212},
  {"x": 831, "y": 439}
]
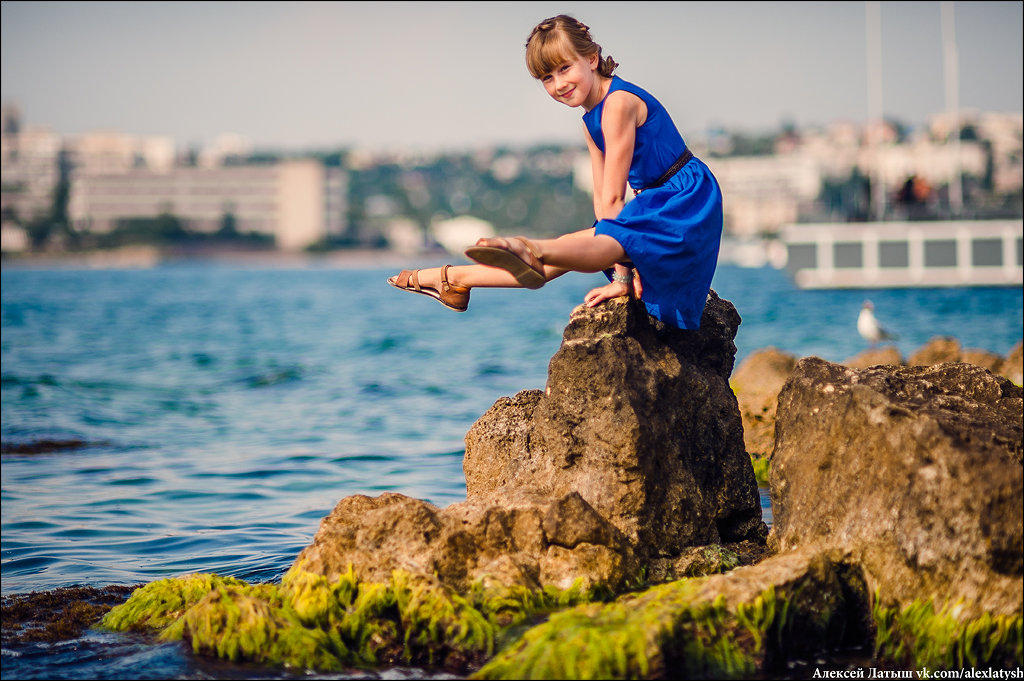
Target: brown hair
[{"x": 559, "y": 39}]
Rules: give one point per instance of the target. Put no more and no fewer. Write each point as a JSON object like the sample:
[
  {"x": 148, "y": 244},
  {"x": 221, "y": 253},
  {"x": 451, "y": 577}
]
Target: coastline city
[
  {"x": 259, "y": 420},
  {"x": 114, "y": 199}
]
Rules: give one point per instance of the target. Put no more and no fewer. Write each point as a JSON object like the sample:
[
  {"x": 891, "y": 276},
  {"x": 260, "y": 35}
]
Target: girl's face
[{"x": 576, "y": 83}]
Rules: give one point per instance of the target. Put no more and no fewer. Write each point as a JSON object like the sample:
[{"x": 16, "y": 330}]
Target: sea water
[{"x": 217, "y": 412}]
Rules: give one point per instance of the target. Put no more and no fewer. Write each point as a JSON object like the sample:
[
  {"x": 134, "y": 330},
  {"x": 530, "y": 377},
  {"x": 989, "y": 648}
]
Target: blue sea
[{"x": 221, "y": 410}]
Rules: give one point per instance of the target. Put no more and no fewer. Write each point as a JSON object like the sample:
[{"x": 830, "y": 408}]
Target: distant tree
[
  {"x": 969, "y": 133},
  {"x": 228, "y": 226}
]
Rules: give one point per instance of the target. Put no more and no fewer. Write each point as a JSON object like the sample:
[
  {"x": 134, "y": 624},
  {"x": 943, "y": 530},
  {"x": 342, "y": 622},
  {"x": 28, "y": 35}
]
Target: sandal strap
[{"x": 529, "y": 246}]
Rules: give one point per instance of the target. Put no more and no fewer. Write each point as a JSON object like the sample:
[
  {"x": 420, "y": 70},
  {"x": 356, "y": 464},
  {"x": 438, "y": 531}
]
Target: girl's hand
[{"x": 600, "y": 294}]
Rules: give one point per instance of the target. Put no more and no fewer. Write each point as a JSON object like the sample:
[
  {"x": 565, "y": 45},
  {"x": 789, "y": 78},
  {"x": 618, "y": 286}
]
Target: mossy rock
[
  {"x": 920, "y": 635},
  {"x": 686, "y": 628},
  {"x": 307, "y": 622}
]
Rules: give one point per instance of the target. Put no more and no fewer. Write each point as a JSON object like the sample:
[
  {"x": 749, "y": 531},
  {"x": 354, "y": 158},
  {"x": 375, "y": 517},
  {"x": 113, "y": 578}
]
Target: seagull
[{"x": 868, "y": 326}]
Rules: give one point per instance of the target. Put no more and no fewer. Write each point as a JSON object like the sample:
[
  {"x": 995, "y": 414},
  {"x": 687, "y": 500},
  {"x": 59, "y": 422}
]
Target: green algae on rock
[
  {"x": 626, "y": 639},
  {"x": 919, "y": 636},
  {"x": 160, "y": 603},
  {"x": 308, "y": 622},
  {"x": 678, "y": 628}
]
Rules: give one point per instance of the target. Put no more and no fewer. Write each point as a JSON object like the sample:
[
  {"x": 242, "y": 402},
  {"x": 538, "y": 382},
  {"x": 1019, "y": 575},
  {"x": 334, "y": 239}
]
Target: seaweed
[
  {"x": 310, "y": 622},
  {"x": 918, "y": 636}
]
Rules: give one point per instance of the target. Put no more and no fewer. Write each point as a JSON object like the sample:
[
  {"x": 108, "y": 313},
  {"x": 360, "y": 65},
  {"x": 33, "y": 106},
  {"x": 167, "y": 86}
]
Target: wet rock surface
[{"x": 57, "y": 615}]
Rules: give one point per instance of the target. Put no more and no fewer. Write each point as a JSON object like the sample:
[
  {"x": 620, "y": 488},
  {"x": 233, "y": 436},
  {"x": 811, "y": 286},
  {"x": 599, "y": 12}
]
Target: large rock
[
  {"x": 639, "y": 419},
  {"x": 887, "y": 354},
  {"x": 528, "y": 542},
  {"x": 1013, "y": 366},
  {"x": 914, "y": 471},
  {"x": 633, "y": 451},
  {"x": 757, "y": 383}
]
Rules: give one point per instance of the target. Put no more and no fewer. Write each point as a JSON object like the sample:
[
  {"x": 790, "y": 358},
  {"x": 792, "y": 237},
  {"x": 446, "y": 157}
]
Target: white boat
[{"x": 905, "y": 254}]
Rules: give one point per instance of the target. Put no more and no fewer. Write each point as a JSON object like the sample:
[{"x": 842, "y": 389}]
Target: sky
[{"x": 451, "y": 75}]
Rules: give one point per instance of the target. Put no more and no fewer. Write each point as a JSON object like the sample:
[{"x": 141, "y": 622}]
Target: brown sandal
[
  {"x": 451, "y": 296},
  {"x": 528, "y": 272}
]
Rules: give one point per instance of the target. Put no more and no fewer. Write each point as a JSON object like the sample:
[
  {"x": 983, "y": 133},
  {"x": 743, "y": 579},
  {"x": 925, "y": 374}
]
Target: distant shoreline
[{"x": 146, "y": 257}]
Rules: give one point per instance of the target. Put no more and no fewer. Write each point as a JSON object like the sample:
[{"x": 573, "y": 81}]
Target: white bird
[{"x": 868, "y": 326}]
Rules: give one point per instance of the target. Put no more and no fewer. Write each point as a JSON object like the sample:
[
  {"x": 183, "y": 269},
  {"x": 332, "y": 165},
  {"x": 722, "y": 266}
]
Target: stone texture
[
  {"x": 982, "y": 358},
  {"x": 887, "y": 354},
  {"x": 532, "y": 543},
  {"x": 1013, "y": 366},
  {"x": 938, "y": 350},
  {"x": 633, "y": 451},
  {"x": 757, "y": 382},
  {"x": 638, "y": 419},
  {"x": 916, "y": 472}
]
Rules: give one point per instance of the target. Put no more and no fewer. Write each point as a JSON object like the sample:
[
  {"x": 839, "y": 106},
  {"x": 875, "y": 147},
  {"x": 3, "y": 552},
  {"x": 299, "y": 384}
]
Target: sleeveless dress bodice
[
  {"x": 672, "y": 232},
  {"x": 658, "y": 143}
]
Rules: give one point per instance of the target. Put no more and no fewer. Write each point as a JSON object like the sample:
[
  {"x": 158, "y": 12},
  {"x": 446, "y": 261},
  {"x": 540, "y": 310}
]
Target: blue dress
[{"x": 672, "y": 233}]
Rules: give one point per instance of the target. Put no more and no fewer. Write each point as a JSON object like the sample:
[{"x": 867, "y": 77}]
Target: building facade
[
  {"x": 297, "y": 202},
  {"x": 30, "y": 165}
]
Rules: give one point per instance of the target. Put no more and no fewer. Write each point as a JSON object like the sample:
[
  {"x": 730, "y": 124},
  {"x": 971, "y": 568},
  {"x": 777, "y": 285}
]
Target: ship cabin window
[
  {"x": 987, "y": 252},
  {"x": 940, "y": 253},
  {"x": 801, "y": 256},
  {"x": 893, "y": 254},
  {"x": 848, "y": 254},
  {"x": 1020, "y": 252}
]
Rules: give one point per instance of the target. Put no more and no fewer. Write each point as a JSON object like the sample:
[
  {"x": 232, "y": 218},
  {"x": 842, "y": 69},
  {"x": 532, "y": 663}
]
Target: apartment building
[
  {"x": 30, "y": 165},
  {"x": 298, "y": 202}
]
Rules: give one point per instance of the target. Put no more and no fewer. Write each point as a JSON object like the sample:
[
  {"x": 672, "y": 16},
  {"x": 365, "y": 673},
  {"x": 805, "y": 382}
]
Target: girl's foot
[
  {"x": 518, "y": 256},
  {"x": 433, "y": 282}
]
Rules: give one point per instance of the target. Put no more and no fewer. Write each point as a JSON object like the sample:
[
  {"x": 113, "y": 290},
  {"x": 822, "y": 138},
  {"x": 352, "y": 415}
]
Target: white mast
[
  {"x": 874, "y": 126},
  {"x": 952, "y": 73}
]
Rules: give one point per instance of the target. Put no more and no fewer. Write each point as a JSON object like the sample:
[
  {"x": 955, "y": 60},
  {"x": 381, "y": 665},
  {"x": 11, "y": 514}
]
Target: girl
[{"x": 669, "y": 234}]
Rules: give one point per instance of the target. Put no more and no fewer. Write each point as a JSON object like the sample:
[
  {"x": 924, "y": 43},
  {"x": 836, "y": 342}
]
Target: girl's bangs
[{"x": 546, "y": 54}]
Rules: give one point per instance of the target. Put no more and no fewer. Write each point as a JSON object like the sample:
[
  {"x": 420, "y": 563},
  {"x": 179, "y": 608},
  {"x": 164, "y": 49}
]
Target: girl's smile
[{"x": 576, "y": 83}]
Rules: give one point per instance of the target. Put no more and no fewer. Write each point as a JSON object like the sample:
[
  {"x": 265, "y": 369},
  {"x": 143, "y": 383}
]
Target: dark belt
[{"x": 683, "y": 159}]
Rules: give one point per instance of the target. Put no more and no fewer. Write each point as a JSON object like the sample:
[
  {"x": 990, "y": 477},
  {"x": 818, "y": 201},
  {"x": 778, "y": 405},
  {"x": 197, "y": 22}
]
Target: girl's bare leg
[
  {"x": 581, "y": 251},
  {"x": 578, "y": 252}
]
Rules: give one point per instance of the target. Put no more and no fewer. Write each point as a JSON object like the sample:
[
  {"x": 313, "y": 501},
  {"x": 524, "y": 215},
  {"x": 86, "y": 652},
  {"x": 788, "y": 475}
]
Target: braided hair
[{"x": 558, "y": 40}]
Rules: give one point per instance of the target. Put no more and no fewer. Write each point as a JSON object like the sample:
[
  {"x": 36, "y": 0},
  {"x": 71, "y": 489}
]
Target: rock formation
[
  {"x": 886, "y": 354},
  {"x": 898, "y": 526},
  {"x": 632, "y": 453},
  {"x": 637, "y": 418},
  {"x": 757, "y": 382},
  {"x": 915, "y": 472}
]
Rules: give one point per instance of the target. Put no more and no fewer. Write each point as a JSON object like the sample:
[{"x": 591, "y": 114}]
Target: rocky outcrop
[
  {"x": 759, "y": 378},
  {"x": 638, "y": 419},
  {"x": 757, "y": 382},
  {"x": 886, "y": 354},
  {"x": 1013, "y": 365},
  {"x": 898, "y": 526},
  {"x": 915, "y": 472},
  {"x": 526, "y": 542},
  {"x": 632, "y": 453}
]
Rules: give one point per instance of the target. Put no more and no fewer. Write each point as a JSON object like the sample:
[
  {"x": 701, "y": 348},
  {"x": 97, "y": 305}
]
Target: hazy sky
[{"x": 298, "y": 75}]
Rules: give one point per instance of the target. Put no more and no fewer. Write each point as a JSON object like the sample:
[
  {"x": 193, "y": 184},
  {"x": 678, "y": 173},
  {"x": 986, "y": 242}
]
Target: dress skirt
[{"x": 673, "y": 233}]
